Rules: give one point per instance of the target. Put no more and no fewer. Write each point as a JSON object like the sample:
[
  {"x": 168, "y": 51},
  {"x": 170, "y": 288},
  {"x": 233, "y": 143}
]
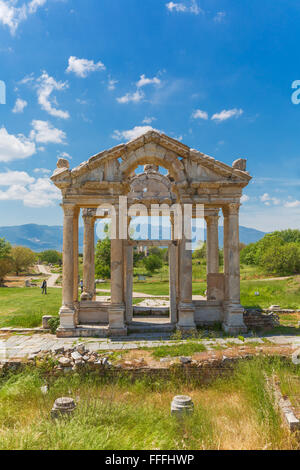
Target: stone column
[
  {"x": 67, "y": 311},
  {"x": 75, "y": 251},
  {"x": 186, "y": 311},
  {"x": 233, "y": 311},
  {"x": 88, "y": 216},
  {"x": 128, "y": 281},
  {"x": 117, "y": 325},
  {"x": 212, "y": 256},
  {"x": 172, "y": 279}
]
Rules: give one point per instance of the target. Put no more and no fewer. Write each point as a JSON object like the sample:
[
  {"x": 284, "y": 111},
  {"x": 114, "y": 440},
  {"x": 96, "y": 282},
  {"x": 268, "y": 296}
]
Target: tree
[
  {"x": 281, "y": 259},
  {"x": 102, "y": 258},
  {"x": 152, "y": 263},
  {"x": 5, "y": 259},
  {"x": 51, "y": 257},
  {"x": 22, "y": 258}
]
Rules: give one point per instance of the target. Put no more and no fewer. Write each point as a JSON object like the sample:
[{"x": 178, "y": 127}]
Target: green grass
[
  {"x": 186, "y": 349},
  {"x": 233, "y": 412},
  {"x": 285, "y": 293},
  {"x": 21, "y": 307}
]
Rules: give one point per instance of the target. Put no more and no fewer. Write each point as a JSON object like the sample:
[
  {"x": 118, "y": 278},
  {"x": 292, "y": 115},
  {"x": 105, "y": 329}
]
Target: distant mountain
[{"x": 43, "y": 237}]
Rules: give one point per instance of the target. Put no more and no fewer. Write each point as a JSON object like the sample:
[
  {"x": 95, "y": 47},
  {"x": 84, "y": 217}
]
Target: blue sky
[{"x": 85, "y": 75}]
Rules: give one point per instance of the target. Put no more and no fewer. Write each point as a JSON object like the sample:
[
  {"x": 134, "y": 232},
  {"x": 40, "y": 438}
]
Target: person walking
[
  {"x": 81, "y": 285},
  {"x": 44, "y": 287}
]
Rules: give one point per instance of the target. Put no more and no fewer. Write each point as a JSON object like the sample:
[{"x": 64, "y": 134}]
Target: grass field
[
  {"x": 21, "y": 307},
  {"x": 231, "y": 413}
]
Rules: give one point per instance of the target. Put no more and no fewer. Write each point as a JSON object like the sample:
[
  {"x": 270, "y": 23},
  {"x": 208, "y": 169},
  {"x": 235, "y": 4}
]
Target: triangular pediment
[{"x": 185, "y": 163}]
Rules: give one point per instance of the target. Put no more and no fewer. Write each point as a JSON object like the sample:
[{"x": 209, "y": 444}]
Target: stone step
[{"x": 141, "y": 327}]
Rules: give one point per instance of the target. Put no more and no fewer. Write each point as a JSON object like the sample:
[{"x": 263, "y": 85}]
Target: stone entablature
[{"x": 193, "y": 178}]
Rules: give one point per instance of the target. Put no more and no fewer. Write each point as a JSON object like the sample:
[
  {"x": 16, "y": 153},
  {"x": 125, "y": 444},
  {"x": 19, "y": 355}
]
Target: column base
[
  {"x": 116, "y": 315},
  {"x": 186, "y": 317},
  {"x": 234, "y": 318},
  {"x": 67, "y": 318},
  {"x": 86, "y": 297}
]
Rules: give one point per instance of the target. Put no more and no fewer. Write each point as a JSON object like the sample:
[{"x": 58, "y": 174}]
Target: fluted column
[
  {"x": 186, "y": 311},
  {"x": 233, "y": 311},
  {"x": 212, "y": 243},
  {"x": 75, "y": 252},
  {"x": 212, "y": 254},
  {"x": 67, "y": 311},
  {"x": 117, "y": 308},
  {"x": 88, "y": 216}
]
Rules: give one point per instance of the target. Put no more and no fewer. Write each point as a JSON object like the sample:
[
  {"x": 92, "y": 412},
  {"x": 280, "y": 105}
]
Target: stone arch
[{"x": 157, "y": 155}]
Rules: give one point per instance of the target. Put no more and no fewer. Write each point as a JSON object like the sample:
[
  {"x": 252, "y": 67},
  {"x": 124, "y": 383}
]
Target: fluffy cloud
[
  {"x": 199, "y": 114},
  {"x": 33, "y": 192},
  {"x": 15, "y": 178},
  {"x": 193, "y": 7},
  {"x": 268, "y": 200},
  {"x": 15, "y": 147},
  {"x": 227, "y": 114},
  {"x": 131, "y": 134},
  {"x": 82, "y": 67},
  {"x": 45, "y": 87},
  {"x": 143, "y": 81},
  {"x": 12, "y": 15},
  {"x": 292, "y": 204},
  {"x": 43, "y": 132},
  {"x": 20, "y": 105},
  {"x": 112, "y": 84},
  {"x": 135, "y": 97},
  {"x": 245, "y": 198}
]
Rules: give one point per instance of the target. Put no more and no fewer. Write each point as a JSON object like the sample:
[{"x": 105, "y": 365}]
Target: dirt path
[{"x": 51, "y": 281}]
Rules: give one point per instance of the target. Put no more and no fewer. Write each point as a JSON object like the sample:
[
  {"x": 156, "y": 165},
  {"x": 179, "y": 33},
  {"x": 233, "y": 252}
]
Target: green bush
[{"x": 54, "y": 324}]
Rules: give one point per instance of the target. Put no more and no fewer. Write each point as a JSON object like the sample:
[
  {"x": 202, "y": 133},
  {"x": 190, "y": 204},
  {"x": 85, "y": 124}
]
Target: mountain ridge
[{"x": 49, "y": 237}]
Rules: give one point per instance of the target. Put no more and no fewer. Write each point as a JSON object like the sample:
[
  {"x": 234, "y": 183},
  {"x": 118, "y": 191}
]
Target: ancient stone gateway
[{"x": 107, "y": 185}]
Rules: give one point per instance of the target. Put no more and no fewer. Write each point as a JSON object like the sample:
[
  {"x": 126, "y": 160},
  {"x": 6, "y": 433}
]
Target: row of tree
[
  {"x": 17, "y": 259},
  {"x": 277, "y": 252}
]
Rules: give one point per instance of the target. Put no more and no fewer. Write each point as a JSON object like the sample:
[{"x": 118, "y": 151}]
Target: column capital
[
  {"x": 232, "y": 208},
  {"x": 212, "y": 219},
  {"x": 89, "y": 213},
  {"x": 69, "y": 209}
]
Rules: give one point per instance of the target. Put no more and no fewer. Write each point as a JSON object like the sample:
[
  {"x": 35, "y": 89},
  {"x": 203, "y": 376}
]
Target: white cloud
[
  {"x": 64, "y": 155},
  {"x": 144, "y": 81},
  {"x": 292, "y": 204},
  {"x": 112, "y": 84},
  {"x": 15, "y": 147},
  {"x": 12, "y": 15},
  {"x": 135, "y": 97},
  {"x": 227, "y": 114},
  {"x": 148, "y": 120},
  {"x": 245, "y": 198},
  {"x": 20, "y": 105},
  {"x": 10, "y": 178},
  {"x": 220, "y": 17},
  {"x": 193, "y": 7},
  {"x": 131, "y": 134},
  {"x": 199, "y": 114},
  {"x": 268, "y": 200},
  {"x": 43, "y": 132},
  {"x": 45, "y": 87},
  {"x": 82, "y": 67},
  {"x": 44, "y": 171}
]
